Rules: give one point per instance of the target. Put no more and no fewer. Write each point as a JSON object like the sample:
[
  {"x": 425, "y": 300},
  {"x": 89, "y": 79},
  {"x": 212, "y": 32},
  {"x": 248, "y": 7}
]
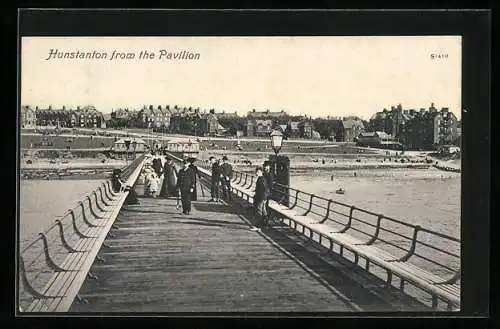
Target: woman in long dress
[{"x": 170, "y": 175}]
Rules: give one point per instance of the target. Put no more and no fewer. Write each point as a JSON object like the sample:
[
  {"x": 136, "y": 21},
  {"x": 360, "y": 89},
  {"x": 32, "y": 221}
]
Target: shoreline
[
  {"x": 348, "y": 166},
  {"x": 74, "y": 169}
]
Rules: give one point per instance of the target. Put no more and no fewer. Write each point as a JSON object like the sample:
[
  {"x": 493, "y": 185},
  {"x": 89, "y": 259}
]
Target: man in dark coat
[
  {"x": 185, "y": 186},
  {"x": 120, "y": 186},
  {"x": 191, "y": 161},
  {"x": 214, "y": 191},
  {"x": 226, "y": 174},
  {"x": 268, "y": 175},
  {"x": 259, "y": 200}
]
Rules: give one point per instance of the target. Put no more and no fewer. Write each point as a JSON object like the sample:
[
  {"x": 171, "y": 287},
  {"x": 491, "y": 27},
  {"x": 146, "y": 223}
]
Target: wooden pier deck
[{"x": 160, "y": 260}]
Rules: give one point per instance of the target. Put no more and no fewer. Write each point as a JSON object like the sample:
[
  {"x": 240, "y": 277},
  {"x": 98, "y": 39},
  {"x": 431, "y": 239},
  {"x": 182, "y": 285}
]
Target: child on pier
[{"x": 153, "y": 184}]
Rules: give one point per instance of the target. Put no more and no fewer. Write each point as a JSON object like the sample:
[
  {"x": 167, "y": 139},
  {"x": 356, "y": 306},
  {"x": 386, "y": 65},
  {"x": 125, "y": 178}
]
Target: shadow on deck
[{"x": 160, "y": 260}]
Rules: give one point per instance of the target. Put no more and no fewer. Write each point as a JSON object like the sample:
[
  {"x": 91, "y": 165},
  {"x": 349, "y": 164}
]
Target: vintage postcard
[{"x": 240, "y": 174}]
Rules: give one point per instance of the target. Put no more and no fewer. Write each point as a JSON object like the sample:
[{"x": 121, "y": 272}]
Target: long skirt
[{"x": 168, "y": 188}]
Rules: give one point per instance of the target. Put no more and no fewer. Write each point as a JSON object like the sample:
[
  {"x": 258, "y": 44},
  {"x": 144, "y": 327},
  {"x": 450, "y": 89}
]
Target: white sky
[{"x": 317, "y": 76}]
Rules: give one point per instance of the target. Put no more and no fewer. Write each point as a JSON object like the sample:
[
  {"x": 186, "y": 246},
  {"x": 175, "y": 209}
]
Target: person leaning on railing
[{"x": 120, "y": 186}]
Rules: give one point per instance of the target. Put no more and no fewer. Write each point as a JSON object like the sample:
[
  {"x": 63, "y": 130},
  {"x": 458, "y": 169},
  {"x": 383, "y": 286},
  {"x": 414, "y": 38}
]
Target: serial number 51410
[{"x": 439, "y": 56}]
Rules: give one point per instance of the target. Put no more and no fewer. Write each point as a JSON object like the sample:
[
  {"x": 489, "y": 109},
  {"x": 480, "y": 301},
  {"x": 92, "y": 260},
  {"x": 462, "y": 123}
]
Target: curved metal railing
[
  {"x": 43, "y": 256},
  {"x": 434, "y": 251}
]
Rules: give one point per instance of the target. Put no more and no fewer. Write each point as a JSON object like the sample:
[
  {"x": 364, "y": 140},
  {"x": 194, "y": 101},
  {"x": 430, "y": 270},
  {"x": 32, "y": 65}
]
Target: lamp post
[
  {"x": 280, "y": 166},
  {"x": 276, "y": 140}
]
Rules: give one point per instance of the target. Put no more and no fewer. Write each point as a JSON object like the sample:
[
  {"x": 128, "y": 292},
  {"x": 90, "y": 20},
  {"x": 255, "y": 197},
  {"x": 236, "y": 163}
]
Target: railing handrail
[
  {"x": 413, "y": 240},
  {"x": 125, "y": 174}
]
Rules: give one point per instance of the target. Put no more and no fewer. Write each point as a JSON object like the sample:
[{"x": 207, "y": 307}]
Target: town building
[
  {"x": 259, "y": 127},
  {"x": 260, "y": 123},
  {"x": 86, "y": 117},
  {"x": 51, "y": 117},
  {"x": 330, "y": 128},
  {"x": 307, "y": 130},
  {"x": 430, "y": 128},
  {"x": 226, "y": 115},
  {"x": 28, "y": 117},
  {"x": 186, "y": 121},
  {"x": 209, "y": 125},
  {"x": 154, "y": 117},
  {"x": 352, "y": 127},
  {"x": 377, "y": 139},
  {"x": 391, "y": 122}
]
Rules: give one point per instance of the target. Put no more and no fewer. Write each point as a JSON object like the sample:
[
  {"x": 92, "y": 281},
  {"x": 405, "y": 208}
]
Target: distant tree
[
  {"x": 233, "y": 124},
  {"x": 288, "y": 131},
  {"x": 367, "y": 125}
]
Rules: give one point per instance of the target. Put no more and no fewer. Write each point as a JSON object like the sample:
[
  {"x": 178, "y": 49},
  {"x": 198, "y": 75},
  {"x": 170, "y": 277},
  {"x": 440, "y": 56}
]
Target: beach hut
[
  {"x": 129, "y": 146},
  {"x": 183, "y": 148}
]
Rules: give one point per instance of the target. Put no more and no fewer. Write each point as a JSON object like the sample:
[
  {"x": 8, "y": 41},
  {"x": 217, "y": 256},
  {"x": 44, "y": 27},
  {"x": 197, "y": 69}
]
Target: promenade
[{"x": 159, "y": 260}]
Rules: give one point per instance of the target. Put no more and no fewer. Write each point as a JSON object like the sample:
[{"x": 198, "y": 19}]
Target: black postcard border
[{"x": 474, "y": 27}]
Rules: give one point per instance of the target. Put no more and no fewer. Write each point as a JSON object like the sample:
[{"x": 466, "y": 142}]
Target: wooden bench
[
  {"x": 60, "y": 291},
  {"x": 432, "y": 284},
  {"x": 407, "y": 272}
]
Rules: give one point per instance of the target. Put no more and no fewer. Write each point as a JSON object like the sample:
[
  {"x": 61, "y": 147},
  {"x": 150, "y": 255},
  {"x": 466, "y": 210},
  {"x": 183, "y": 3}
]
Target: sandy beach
[{"x": 72, "y": 164}]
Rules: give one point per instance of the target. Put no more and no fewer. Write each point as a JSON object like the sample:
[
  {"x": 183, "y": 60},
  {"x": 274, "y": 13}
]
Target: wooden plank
[
  {"x": 55, "y": 285},
  {"x": 160, "y": 260},
  {"x": 89, "y": 260}
]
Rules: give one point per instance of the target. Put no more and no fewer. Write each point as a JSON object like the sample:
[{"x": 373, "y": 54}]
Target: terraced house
[
  {"x": 87, "y": 117},
  {"x": 151, "y": 117},
  {"x": 53, "y": 117},
  {"x": 260, "y": 123}
]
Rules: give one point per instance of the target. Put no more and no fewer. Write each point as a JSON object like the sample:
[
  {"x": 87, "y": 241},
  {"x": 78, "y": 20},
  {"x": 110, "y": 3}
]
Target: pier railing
[
  {"x": 404, "y": 240},
  {"x": 425, "y": 258},
  {"x": 53, "y": 266}
]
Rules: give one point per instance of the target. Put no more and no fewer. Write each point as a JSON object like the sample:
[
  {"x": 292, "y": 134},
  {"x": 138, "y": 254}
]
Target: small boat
[{"x": 340, "y": 191}]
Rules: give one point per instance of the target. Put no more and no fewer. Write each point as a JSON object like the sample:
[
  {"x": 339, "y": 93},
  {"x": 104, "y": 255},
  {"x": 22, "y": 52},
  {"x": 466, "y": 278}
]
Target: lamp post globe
[{"x": 276, "y": 140}]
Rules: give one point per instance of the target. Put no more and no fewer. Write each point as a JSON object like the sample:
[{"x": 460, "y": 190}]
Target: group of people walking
[
  {"x": 182, "y": 183},
  {"x": 222, "y": 174}
]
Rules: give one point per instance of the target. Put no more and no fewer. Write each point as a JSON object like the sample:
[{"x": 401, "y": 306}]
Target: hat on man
[
  {"x": 191, "y": 160},
  {"x": 224, "y": 158}
]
